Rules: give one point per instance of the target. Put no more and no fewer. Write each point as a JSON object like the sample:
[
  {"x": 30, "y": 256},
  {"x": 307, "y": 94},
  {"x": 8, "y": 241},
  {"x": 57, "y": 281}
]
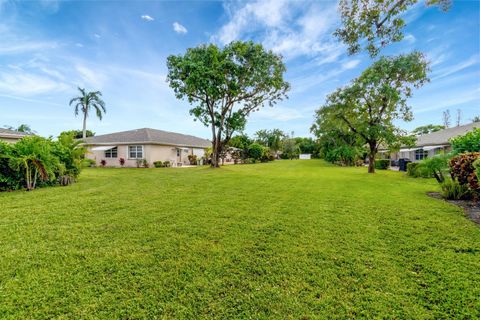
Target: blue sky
[{"x": 48, "y": 48}]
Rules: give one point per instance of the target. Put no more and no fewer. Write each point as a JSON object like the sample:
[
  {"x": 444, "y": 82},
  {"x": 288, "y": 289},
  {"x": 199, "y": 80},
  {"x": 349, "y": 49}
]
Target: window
[
  {"x": 112, "y": 153},
  {"x": 421, "y": 154},
  {"x": 135, "y": 152},
  {"x": 178, "y": 152}
]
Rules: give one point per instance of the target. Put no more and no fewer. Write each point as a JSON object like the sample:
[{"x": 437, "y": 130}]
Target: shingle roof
[
  {"x": 149, "y": 136},
  {"x": 442, "y": 136},
  {"x": 12, "y": 133}
]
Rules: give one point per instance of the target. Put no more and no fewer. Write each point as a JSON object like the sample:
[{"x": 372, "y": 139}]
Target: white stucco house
[
  {"x": 427, "y": 145},
  {"x": 149, "y": 144},
  {"x": 11, "y": 136}
]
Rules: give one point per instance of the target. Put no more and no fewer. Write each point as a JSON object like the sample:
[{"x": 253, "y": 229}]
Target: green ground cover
[{"x": 288, "y": 239}]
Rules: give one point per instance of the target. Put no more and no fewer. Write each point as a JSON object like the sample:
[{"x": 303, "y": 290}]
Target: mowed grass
[{"x": 282, "y": 240}]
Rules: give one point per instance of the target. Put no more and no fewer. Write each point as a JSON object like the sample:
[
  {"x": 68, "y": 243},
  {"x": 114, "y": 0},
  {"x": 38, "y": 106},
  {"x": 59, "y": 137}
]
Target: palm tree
[{"x": 85, "y": 102}]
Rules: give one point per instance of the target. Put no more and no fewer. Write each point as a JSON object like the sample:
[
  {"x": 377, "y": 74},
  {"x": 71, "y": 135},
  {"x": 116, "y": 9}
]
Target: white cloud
[
  {"x": 24, "y": 83},
  {"x": 447, "y": 101},
  {"x": 178, "y": 28},
  {"x": 78, "y": 44},
  {"x": 350, "y": 64},
  {"x": 409, "y": 38},
  {"x": 19, "y": 46},
  {"x": 96, "y": 35},
  {"x": 289, "y": 28},
  {"x": 277, "y": 113},
  {"x": 91, "y": 78},
  {"x": 473, "y": 60},
  {"x": 146, "y": 17}
]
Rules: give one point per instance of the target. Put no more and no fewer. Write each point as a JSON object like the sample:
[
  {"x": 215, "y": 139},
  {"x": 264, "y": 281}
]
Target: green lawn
[{"x": 282, "y": 240}]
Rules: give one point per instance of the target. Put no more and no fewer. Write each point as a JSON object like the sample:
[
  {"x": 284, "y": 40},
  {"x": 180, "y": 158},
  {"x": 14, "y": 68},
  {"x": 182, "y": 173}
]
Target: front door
[{"x": 179, "y": 155}]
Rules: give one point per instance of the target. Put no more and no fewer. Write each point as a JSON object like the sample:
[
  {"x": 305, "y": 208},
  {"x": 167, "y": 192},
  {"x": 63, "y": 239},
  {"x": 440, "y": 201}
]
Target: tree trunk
[
  {"x": 371, "y": 156},
  {"x": 84, "y": 135}
]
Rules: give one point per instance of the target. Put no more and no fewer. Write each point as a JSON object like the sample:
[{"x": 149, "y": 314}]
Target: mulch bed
[{"x": 471, "y": 208}]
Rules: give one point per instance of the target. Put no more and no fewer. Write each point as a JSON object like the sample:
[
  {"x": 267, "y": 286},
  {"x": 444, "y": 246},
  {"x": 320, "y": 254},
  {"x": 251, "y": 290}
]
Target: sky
[{"x": 49, "y": 48}]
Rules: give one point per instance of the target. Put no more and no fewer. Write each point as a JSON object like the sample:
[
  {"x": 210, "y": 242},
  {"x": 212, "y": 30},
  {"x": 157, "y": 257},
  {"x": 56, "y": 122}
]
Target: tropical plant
[
  {"x": 103, "y": 162},
  {"x": 192, "y": 159},
  {"x": 70, "y": 153},
  {"x": 462, "y": 169},
  {"x": 435, "y": 166},
  {"x": 33, "y": 157},
  {"x": 469, "y": 142},
  {"x": 78, "y": 134},
  {"x": 85, "y": 102},
  {"x": 121, "y": 161},
  {"x": 25, "y": 128},
  {"x": 453, "y": 190},
  {"x": 226, "y": 85}
]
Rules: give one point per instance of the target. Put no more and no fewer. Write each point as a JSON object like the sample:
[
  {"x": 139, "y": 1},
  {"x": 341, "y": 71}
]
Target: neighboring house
[
  {"x": 11, "y": 136},
  {"x": 149, "y": 144},
  {"x": 427, "y": 145}
]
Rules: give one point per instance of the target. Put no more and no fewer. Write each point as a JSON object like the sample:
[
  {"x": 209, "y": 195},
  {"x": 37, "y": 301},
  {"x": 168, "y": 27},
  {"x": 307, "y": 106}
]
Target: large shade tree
[
  {"x": 225, "y": 85},
  {"x": 371, "y": 104},
  {"x": 376, "y": 23},
  {"x": 85, "y": 102}
]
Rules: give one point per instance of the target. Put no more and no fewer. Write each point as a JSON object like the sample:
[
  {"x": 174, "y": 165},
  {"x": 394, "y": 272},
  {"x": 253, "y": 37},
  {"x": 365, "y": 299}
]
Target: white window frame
[
  {"x": 421, "y": 154},
  {"x": 111, "y": 152},
  {"x": 138, "y": 150}
]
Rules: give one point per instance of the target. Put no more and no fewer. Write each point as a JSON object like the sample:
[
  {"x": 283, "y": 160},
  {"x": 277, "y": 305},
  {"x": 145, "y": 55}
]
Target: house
[
  {"x": 149, "y": 144},
  {"x": 11, "y": 136},
  {"x": 428, "y": 145}
]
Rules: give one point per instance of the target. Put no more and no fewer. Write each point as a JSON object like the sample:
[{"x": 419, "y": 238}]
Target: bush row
[{"x": 36, "y": 162}]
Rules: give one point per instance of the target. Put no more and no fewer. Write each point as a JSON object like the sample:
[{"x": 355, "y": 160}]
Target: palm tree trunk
[{"x": 84, "y": 135}]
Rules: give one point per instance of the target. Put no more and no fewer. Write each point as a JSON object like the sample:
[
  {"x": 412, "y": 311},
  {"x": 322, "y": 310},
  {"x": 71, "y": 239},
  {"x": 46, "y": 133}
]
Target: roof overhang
[
  {"x": 123, "y": 143},
  {"x": 434, "y": 147},
  {"x": 103, "y": 148}
]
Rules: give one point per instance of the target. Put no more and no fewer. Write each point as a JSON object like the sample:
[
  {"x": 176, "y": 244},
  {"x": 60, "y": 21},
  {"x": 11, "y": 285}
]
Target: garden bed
[{"x": 470, "y": 207}]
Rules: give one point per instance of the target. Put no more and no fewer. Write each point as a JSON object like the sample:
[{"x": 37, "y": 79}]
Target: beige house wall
[
  {"x": 151, "y": 152},
  {"x": 9, "y": 140}
]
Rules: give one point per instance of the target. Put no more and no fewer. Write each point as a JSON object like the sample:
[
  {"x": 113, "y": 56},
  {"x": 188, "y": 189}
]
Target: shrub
[
  {"x": 103, "y": 163},
  {"x": 166, "y": 164},
  {"x": 192, "y": 159},
  {"x": 86, "y": 163},
  {"x": 463, "y": 170},
  {"x": 249, "y": 161},
  {"x": 121, "y": 161},
  {"x": 255, "y": 151},
  {"x": 435, "y": 166},
  {"x": 36, "y": 162},
  {"x": 158, "y": 164},
  {"x": 469, "y": 142},
  {"x": 145, "y": 163},
  {"x": 139, "y": 162},
  {"x": 453, "y": 190},
  {"x": 382, "y": 164},
  {"x": 412, "y": 169},
  {"x": 476, "y": 164},
  {"x": 416, "y": 171}
]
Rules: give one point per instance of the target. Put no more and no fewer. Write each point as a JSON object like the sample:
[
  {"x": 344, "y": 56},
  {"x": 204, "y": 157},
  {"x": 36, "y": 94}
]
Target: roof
[
  {"x": 443, "y": 136},
  {"x": 149, "y": 136},
  {"x": 7, "y": 133}
]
